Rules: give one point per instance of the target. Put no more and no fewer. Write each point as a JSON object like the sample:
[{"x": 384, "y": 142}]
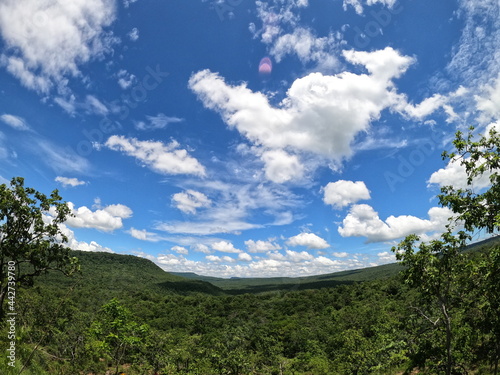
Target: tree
[
  {"x": 435, "y": 270},
  {"x": 478, "y": 209},
  {"x": 116, "y": 335},
  {"x": 31, "y": 241}
]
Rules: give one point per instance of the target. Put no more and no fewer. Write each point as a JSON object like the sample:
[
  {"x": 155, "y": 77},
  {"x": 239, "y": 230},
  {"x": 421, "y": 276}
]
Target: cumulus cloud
[
  {"x": 454, "y": 174},
  {"x": 310, "y": 240},
  {"x": 281, "y": 167},
  {"x": 180, "y": 250},
  {"x": 71, "y": 240},
  {"x": 15, "y": 122},
  {"x": 65, "y": 181},
  {"x": 159, "y": 157},
  {"x": 201, "y": 248},
  {"x": 225, "y": 247},
  {"x": 386, "y": 257},
  {"x": 297, "y": 257},
  {"x": 245, "y": 257},
  {"x": 343, "y": 193},
  {"x": 106, "y": 219},
  {"x": 190, "y": 200},
  {"x": 48, "y": 40},
  {"x": 260, "y": 246},
  {"x": 363, "y": 221},
  {"x": 218, "y": 259},
  {"x": 292, "y": 264},
  {"x": 321, "y": 114},
  {"x": 74, "y": 244}
]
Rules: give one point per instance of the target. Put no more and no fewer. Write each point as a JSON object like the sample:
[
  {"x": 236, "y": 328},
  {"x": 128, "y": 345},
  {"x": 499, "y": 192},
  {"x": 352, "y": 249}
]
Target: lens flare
[{"x": 265, "y": 66}]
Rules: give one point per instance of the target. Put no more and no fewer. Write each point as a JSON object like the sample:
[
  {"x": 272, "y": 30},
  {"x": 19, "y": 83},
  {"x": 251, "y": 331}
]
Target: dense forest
[{"x": 123, "y": 313}]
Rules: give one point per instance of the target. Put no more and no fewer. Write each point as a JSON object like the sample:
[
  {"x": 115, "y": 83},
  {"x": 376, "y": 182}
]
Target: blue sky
[{"x": 172, "y": 139}]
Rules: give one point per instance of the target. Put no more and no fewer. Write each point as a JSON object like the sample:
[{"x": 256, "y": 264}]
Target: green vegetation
[
  {"x": 436, "y": 312},
  {"x": 29, "y": 246}
]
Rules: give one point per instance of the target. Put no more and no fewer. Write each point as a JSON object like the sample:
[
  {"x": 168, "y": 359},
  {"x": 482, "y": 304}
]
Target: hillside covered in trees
[{"x": 123, "y": 313}]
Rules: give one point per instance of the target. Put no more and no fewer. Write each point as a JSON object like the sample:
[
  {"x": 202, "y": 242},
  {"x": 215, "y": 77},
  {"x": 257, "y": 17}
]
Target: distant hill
[
  {"x": 259, "y": 285},
  {"x": 107, "y": 275}
]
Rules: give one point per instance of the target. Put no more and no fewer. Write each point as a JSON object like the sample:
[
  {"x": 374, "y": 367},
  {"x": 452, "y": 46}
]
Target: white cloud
[
  {"x": 47, "y": 40},
  {"x": 90, "y": 105},
  {"x": 426, "y": 107},
  {"x": 386, "y": 257},
  {"x": 320, "y": 115},
  {"x": 144, "y": 235},
  {"x": 133, "y": 34},
  {"x": 159, "y": 121},
  {"x": 15, "y": 122},
  {"x": 65, "y": 181},
  {"x": 363, "y": 221},
  {"x": 201, "y": 248},
  {"x": 161, "y": 158},
  {"x": 95, "y": 106},
  {"x": 125, "y": 79},
  {"x": 205, "y": 227},
  {"x": 180, "y": 250},
  {"x": 261, "y": 246},
  {"x": 310, "y": 240},
  {"x": 308, "y": 48},
  {"x": 107, "y": 219},
  {"x": 343, "y": 193},
  {"x": 342, "y": 254},
  {"x": 358, "y": 4},
  {"x": 282, "y": 167},
  {"x": 215, "y": 258},
  {"x": 293, "y": 264},
  {"x": 74, "y": 244},
  {"x": 118, "y": 210},
  {"x": 274, "y": 16},
  {"x": 475, "y": 57},
  {"x": 190, "y": 200},
  {"x": 454, "y": 174},
  {"x": 225, "y": 247},
  {"x": 297, "y": 257},
  {"x": 489, "y": 101},
  {"x": 245, "y": 257},
  {"x": 233, "y": 204}
]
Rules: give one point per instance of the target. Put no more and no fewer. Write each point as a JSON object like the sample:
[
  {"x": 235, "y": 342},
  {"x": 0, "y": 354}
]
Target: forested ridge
[{"x": 123, "y": 313}]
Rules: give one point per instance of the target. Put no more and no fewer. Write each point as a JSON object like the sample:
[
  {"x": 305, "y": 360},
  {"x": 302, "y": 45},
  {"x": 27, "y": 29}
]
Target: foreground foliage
[{"x": 375, "y": 327}]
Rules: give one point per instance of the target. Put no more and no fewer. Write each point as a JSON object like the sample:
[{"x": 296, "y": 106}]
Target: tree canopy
[{"x": 31, "y": 240}]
